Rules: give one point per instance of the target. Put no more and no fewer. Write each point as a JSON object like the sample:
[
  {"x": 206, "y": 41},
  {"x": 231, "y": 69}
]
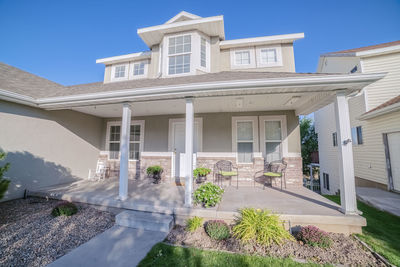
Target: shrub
[
  {"x": 217, "y": 230},
  {"x": 313, "y": 236},
  {"x": 3, "y": 182},
  {"x": 208, "y": 195},
  {"x": 64, "y": 208},
  {"x": 154, "y": 170},
  {"x": 260, "y": 226},
  {"x": 201, "y": 172},
  {"x": 194, "y": 223}
]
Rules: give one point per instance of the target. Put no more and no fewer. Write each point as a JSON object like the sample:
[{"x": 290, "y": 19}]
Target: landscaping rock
[
  {"x": 31, "y": 236},
  {"x": 344, "y": 250}
]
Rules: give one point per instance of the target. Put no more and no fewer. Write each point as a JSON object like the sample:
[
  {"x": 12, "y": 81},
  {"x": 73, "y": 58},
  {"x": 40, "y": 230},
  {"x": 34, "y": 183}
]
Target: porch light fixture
[{"x": 292, "y": 100}]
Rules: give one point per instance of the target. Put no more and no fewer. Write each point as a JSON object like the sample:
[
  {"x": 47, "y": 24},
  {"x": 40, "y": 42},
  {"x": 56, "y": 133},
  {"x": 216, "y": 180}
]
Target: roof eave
[{"x": 379, "y": 112}]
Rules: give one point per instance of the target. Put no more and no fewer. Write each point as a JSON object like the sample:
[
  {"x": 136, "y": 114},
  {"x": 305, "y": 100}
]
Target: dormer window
[
  {"x": 119, "y": 72},
  {"x": 179, "y": 50},
  {"x": 138, "y": 69},
  {"x": 268, "y": 56},
  {"x": 242, "y": 58}
]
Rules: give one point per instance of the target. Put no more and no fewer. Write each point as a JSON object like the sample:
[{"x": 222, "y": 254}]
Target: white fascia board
[
  {"x": 185, "y": 90},
  {"x": 273, "y": 39},
  {"x": 182, "y": 14},
  {"x": 378, "y": 51},
  {"x": 179, "y": 26},
  {"x": 123, "y": 58},
  {"x": 379, "y": 112},
  {"x": 17, "y": 98}
]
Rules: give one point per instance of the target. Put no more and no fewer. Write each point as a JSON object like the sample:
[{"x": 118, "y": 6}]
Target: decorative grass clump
[
  {"x": 261, "y": 227},
  {"x": 64, "y": 208},
  {"x": 208, "y": 195},
  {"x": 313, "y": 236},
  {"x": 194, "y": 223},
  {"x": 217, "y": 229}
]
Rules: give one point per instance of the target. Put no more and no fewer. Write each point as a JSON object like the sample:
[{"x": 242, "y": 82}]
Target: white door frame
[{"x": 172, "y": 122}]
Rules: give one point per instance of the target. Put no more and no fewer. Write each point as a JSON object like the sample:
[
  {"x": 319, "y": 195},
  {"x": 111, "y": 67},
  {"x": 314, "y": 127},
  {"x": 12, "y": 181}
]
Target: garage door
[{"x": 394, "y": 152}]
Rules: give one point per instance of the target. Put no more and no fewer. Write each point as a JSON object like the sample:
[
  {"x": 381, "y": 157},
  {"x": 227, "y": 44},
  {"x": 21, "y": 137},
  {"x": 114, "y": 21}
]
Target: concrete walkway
[
  {"x": 117, "y": 247},
  {"x": 380, "y": 199}
]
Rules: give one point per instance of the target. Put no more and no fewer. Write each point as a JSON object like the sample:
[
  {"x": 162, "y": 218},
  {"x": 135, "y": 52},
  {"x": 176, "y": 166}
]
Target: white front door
[
  {"x": 178, "y": 142},
  {"x": 394, "y": 153}
]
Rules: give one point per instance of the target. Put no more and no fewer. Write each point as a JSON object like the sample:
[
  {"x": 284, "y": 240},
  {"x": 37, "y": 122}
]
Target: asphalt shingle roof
[
  {"x": 366, "y": 48},
  {"x": 18, "y": 81}
]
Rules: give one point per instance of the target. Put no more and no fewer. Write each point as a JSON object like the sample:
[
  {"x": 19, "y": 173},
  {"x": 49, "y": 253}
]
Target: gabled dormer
[{"x": 188, "y": 44}]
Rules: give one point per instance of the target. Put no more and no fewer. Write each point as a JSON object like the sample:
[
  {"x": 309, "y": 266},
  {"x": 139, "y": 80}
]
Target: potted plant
[
  {"x": 201, "y": 174},
  {"x": 155, "y": 173}
]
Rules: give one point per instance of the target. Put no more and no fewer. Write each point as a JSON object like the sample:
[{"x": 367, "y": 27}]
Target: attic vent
[{"x": 354, "y": 69}]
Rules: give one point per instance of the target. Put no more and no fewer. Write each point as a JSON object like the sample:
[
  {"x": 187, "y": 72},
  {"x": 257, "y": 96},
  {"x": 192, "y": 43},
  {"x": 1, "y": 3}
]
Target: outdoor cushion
[
  {"x": 231, "y": 173},
  {"x": 273, "y": 174}
]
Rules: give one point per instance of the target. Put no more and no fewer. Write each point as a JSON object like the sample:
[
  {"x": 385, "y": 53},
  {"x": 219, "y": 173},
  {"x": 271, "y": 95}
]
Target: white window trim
[
  {"x": 118, "y": 123},
  {"x": 278, "y": 62},
  {"x": 171, "y": 123},
  {"x": 113, "y": 79},
  {"x": 167, "y": 55},
  {"x": 132, "y": 72},
  {"x": 243, "y": 66},
  {"x": 282, "y": 119},
  {"x": 197, "y": 49},
  {"x": 252, "y": 119}
]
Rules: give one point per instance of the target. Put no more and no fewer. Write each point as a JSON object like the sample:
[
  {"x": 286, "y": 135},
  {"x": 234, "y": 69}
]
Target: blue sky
[{"x": 61, "y": 40}]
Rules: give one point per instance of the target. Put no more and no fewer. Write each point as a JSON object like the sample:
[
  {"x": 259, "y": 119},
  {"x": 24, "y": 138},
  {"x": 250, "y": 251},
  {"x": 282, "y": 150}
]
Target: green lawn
[
  {"x": 165, "y": 255},
  {"x": 382, "y": 232}
]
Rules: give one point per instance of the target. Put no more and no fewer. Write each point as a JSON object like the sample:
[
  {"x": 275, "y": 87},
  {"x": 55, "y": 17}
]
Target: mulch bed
[
  {"x": 31, "y": 236},
  {"x": 344, "y": 250}
]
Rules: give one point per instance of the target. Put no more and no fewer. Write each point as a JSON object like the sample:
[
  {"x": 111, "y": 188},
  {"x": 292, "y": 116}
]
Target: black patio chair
[
  {"x": 224, "y": 170},
  {"x": 272, "y": 171}
]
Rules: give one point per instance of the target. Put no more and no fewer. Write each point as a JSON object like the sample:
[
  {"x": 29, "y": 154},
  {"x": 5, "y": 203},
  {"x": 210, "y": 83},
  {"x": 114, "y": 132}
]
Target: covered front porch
[
  {"x": 296, "y": 206},
  {"x": 247, "y": 122}
]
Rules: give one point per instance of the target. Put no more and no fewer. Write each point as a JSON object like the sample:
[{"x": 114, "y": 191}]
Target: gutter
[
  {"x": 185, "y": 90},
  {"x": 373, "y": 114}
]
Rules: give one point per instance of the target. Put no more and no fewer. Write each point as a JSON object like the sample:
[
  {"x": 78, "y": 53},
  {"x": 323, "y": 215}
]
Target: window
[
  {"x": 326, "y": 180},
  {"x": 268, "y": 56},
  {"x": 203, "y": 52},
  {"x": 135, "y": 140},
  {"x": 138, "y": 68},
  {"x": 334, "y": 138},
  {"x": 356, "y": 135},
  {"x": 242, "y": 58},
  {"x": 273, "y": 140},
  {"x": 179, "y": 50},
  {"x": 245, "y": 140},
  {"x": 119, "y": 72}
]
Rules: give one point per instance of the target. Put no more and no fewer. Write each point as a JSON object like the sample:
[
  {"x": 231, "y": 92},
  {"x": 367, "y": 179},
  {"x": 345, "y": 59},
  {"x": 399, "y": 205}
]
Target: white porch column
[
  {"x": 189, "y": 136},
  {"x": 124, "y": 152},
  {"x": 346, "y": 164}
]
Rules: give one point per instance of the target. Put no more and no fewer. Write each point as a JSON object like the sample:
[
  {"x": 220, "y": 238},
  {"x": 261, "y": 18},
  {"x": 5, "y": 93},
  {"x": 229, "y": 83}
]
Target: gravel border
[
  {"x": 31, "y": 236},
  {"x": 345, "y": 250}
]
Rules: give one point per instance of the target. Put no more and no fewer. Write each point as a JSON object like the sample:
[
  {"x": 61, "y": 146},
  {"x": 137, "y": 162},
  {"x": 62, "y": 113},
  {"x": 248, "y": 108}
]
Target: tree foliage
[
  {"x": 3, "y": 182},
  {"x": 309, "y": 141}
]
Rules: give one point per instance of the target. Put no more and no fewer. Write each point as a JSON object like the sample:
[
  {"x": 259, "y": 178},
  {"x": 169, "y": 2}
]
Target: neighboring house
[
  {"x": 192, "y": 100},
  {"x": 374, "y": 119}
]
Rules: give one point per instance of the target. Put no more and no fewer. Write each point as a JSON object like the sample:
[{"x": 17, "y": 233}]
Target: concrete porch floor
[{"x": 298, "y": 205}]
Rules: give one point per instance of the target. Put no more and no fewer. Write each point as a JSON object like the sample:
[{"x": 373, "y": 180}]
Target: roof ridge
[{"x": 365, "y": 48}]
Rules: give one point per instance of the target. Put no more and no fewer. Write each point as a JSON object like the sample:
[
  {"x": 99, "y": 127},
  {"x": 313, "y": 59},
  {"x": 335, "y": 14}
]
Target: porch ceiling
[{"x": 231, "y": 103}]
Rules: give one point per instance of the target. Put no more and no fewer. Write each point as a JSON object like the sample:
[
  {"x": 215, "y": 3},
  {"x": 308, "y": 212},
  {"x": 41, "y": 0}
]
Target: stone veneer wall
[
  {"x": 247, "y": 171},
  {"x": 137, "y": 169}
]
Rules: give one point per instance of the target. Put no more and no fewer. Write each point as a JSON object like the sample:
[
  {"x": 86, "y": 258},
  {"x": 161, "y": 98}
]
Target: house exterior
[
  {"x": 193, "y": 99},
  {"x": 374, "y": 119}
]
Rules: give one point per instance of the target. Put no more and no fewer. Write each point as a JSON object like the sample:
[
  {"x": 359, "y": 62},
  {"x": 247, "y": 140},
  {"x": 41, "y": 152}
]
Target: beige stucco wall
[
  {"x": 47, "y": 147},
  {"x": 217, "y": 130},
  {"x": 154, "y": 62},
  {"x": 107, "y": 74},
  {"x": 288, "y": 62}
]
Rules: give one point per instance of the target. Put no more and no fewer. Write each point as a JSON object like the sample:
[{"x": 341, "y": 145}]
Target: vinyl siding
[
  {"x": 387, "y": 88},
  {"x": 325, "y": 125}
]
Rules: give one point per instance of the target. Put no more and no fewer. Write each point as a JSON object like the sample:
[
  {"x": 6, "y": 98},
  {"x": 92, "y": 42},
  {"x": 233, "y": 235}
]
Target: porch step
[{"x": 145, "y": 220}]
